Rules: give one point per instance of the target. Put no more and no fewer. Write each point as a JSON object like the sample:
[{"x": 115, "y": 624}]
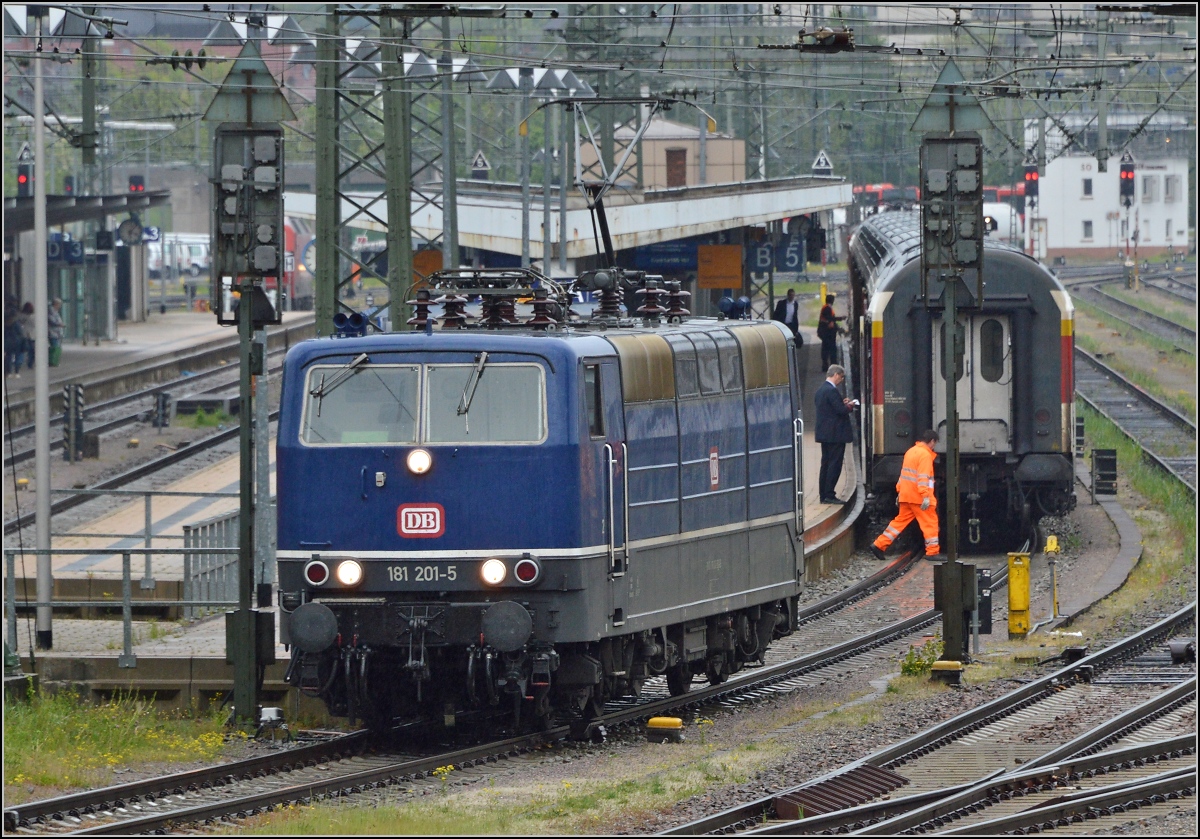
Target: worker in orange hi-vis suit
[{"x": 915, "y": 493}]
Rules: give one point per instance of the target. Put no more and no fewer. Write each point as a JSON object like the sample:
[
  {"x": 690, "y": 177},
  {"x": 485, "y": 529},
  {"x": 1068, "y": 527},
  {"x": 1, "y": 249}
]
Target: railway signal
[
  {"x": 24, "y": 179},
  {"x": 68, "y": 184},
  {"x": 137, "y": 183},
  {"x": 72, "y": 422},
  {"x": 1031, "y": 181},
  {"x": 1128, "y": 180}
]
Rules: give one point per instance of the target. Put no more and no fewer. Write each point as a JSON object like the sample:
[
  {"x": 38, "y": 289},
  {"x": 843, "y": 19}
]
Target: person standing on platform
[
  {"x": 833, "y": 431},
  {"x": 56, "y": 331},
  {"x": 14, "y": 337},
  {"x": 827, "y": 331},
  {"x": 787, "y": 312},
  {"x": 914, "y": 491},
  {"x": 25, "y": 322}
]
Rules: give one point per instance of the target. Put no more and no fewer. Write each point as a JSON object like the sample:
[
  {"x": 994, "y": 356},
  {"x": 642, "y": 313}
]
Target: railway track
[
  {"x": 1175, "y": 287},
  {"x": 1183, "y": 338},
  {"x": 1167, "y": 436},
  {"x": 142, "y": 470},
  {"x": 346, "y": 767},
  {"x": 122, "y": 411},
  {"x": 959, "y": 769}
]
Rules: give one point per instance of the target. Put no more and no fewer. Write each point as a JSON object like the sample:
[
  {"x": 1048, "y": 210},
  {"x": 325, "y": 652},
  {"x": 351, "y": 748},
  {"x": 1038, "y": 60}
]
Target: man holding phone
[{"x": 833, "y": 431}]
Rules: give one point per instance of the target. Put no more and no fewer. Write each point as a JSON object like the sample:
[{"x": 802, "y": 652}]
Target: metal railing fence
[{"x": 127, "y": 658}]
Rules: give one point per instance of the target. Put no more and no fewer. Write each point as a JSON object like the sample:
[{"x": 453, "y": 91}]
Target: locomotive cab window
[
  {"x": 370, "y": 403},
  {"x": 593, "y": 404},
  {"x": 485, "y": 402}
]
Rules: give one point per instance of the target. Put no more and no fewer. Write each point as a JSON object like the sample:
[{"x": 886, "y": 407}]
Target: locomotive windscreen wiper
[
  {"x": 464, "y": 403},
  {"x": 325, "y": 388}
]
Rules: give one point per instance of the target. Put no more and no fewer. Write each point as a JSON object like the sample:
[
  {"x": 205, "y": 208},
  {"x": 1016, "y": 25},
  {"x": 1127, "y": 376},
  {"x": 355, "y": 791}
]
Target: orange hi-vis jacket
[{"x": 916, "y": 475}]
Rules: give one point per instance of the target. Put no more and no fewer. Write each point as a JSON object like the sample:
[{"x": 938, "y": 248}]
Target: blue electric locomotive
[{"x": 529, "y": 518}]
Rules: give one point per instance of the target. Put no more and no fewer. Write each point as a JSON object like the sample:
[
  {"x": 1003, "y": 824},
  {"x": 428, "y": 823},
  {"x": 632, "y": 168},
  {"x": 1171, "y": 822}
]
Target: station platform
[{"x": 162, "y": 346}]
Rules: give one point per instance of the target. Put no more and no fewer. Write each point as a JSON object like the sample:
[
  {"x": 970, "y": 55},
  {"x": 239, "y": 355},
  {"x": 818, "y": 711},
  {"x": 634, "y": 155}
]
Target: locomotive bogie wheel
[
  {"x": 679, "y": 679},
  {"x": 715, "y": 670}
]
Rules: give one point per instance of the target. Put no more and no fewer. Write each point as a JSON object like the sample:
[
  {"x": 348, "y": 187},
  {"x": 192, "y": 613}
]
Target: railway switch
[{"x": 1018, "y": 595}]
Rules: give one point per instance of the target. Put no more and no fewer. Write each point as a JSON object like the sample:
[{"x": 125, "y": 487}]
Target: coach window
[
  {"x": 731, "y": 361},
  {"x": 947, "y": 356},
  {"x": 707, "y": 364},
  {"x": 592, "y": 402},
  {"x": 687, "y": 377},
  {"x": 991, "y": 350}
]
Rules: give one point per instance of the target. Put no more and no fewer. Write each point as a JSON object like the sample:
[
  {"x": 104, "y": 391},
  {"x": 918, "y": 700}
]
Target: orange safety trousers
[{"x": 927, "y": 519}]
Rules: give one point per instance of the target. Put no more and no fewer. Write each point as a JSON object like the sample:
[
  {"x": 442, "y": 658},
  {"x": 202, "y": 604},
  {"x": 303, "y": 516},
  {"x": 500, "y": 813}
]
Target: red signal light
[{"x": 22, "y": 179}]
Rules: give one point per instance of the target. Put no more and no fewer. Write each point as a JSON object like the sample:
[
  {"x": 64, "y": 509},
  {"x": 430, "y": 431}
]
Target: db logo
[{"x": 420, "y": 521}]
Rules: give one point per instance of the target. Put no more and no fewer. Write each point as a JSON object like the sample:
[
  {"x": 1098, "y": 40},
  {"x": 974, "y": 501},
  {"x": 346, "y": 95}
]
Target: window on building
[
  {"x": 1171, "y": 184},
  {"x": 1124, "y": 227},
  {"x": 1087, "y": 230},
  {"x": 1149, "y": 188},
  {"x": 1087, "y": 187},
  {"x": 676, "y": 167},
  {"x": 1168, "y": 233}
]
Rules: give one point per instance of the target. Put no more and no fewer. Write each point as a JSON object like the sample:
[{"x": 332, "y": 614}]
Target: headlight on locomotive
[
  {"x": 349, "y": 572},
  {"x": 419, "y": 461},
  {"x": 493, "y": 571}
]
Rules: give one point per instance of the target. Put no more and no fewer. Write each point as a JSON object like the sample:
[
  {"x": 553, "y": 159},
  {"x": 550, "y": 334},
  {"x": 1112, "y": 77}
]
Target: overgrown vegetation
[
  {"x": 204, "y": 419},
  {"x": 1175, "y": 314},
  {"x": 1147, "y": 380},
  {"x": 1162, "y": 494},
  {"x": 54, "y": 742},
  {"x": 918, "y": 661}
]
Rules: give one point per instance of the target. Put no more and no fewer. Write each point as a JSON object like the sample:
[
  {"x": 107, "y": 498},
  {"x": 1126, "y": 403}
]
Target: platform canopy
[{"x": 64, "y": 209}]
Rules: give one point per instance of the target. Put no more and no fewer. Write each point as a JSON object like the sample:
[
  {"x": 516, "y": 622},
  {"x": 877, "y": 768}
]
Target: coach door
[
  {"x": 606, "y": 429},
  {"x": 984, "y": 389}
]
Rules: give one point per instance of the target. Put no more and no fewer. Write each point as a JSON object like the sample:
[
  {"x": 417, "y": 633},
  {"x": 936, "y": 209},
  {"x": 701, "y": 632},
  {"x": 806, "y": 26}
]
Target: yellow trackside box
[{"x": 1018, "y": 595}]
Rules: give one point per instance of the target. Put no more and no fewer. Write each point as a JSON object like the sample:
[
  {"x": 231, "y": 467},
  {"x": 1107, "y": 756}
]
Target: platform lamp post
[{"x": 41, "y": 371}]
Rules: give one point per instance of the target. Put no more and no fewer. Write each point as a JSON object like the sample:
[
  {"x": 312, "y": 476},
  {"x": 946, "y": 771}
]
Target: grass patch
[
  {"x": 1159, "y": 491},
  {"x": 212, "y": 418},
  {"x": 1141, "y": 301},
  {"x": 1166, "y": 513},
  {"x": 1147, "y": 380},
  {"x": 55, "y": 742},
  {"x": 521, "y": 806}
]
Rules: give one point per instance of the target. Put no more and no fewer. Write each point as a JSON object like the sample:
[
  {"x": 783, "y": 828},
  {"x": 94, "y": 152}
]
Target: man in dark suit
[
  {"x": 833, "y": 431},
  {"x": 787, "y": 311}
]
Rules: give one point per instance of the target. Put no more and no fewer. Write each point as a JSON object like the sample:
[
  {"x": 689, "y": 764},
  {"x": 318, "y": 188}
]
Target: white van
[{"x": 190, "y": 251}]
